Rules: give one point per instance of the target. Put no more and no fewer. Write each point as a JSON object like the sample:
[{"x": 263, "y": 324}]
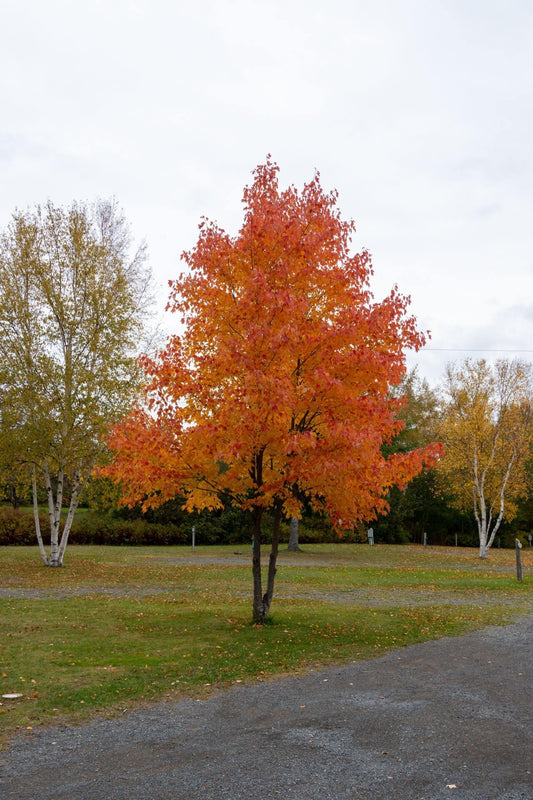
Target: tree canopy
[
  {"x": 278, "y": 390},
  {"x": 487, "y": 427}
]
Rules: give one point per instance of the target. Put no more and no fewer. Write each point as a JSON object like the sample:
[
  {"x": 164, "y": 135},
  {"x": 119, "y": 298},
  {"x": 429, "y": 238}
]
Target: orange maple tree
[{"x": 278, "y": 390}]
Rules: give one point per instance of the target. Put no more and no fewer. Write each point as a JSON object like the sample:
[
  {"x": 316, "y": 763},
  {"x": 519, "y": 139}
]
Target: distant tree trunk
[
  {"x": 293, "y": 535},
  {"x": 13, "y": 496},
  {"x": 518, "y": 549}
]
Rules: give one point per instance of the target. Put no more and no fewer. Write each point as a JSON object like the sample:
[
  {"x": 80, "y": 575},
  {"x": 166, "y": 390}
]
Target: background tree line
[{"x": 426, "y": 505}]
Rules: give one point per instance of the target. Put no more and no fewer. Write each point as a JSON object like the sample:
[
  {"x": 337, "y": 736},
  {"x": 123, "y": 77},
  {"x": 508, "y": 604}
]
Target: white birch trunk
[
  {"x": 36, "y": 518},
  {"x": 58, "y": 546},
  {"x": 489, "y": 538},
  {"x": 486, "y": 532},
  {"x": 74, "y": 500},
  {"x": 54, "y": 513}
]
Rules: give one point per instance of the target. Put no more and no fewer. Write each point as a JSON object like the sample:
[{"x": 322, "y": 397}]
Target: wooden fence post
[{"x": 518, "y": 548}]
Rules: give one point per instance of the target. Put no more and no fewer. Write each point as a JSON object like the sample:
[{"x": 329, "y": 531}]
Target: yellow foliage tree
[
  {"x": 73, "y": 304},
  {"x": 486, "y": 428}
]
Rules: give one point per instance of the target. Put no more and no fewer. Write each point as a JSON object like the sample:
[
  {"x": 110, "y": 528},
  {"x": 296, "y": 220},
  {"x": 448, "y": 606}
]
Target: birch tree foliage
[
  {"x": 14, "y": 478},
  {"x": 72, "y": 308},
  {"x": 277, "y": 393},
  {"x": 487, "y": 427}
]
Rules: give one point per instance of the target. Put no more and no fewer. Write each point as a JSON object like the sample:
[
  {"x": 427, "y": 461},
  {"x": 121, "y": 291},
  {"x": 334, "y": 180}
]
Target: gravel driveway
[{"x": 445, "y": 719}]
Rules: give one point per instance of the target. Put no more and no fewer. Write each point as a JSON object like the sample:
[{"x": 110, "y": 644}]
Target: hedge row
[{"x": 17, "y": 528}]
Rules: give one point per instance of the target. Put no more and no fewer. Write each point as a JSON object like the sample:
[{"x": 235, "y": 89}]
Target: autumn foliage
[
  {"x": 278, "y": 391},
  {"x": 487, "y": 427}
]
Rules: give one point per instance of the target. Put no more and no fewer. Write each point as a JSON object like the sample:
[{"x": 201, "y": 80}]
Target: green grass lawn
[{"x": 117, "y": 627}]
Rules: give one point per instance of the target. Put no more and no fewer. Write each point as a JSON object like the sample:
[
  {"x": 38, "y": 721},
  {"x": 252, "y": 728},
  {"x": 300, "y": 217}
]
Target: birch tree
[
  {"x": 487, "y": 426},
  {"x": 72, "y": 305}
]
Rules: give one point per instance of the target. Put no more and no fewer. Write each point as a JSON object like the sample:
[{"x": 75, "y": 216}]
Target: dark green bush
[
  {"x": 17, "y": 526},
  {"x": 313, "y": 529},
  {"x": 95, "y": 529}
]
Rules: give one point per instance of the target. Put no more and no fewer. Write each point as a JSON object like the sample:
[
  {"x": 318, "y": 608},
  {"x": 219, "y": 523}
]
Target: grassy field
[{"x": 118, "y": 627}]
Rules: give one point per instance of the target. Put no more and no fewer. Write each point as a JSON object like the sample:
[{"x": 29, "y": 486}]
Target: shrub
[
  {"x": 17, "y": 526},
  {"x": 96, "y": 529}
]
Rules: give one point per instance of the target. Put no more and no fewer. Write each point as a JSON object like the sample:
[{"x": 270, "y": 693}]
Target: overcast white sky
[{"x": 419, "y": 112}]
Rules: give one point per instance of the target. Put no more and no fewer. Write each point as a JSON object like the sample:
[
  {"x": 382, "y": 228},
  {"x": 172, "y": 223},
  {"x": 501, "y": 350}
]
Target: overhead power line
[{"x": 474, "y": 350}]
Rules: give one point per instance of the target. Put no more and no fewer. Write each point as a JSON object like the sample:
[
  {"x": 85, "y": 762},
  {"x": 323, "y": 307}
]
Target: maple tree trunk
[
  {"x": 262, "y": 602},
  {"x": 267, "y": 598},
  {"x": 258, "y": 609}
]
